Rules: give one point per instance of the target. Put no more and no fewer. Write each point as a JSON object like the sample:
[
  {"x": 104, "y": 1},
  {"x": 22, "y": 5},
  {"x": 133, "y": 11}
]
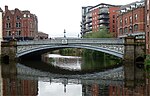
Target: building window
[
  {"x": 130, "y": 29},
  {"x": 113, "y": 16},
  {"x": 120, "y": 30},
  {"x": 113, "y": 21},
  {"x": 7, "y": 17},
  {"x": 18, "y": 24},
  {"x": 125, "y": 30},
  {"x": 24, "y": 15},
  {"x": 135, "y": 17},
  {"x": 17, "y": 18},
  {"x": 113, "y": 30},
  {"x": 113, "y": 26},
  {"x": 147, "y": 18},
  {"x": 130, "y": 19},
  {"x": 18, "y": 32},
  {"x": 136, "y": 27},
  {"x": 121, "y": 22},
  {"x": 8, "y": 33},
  {"x": 125, "y": 21},
  {"x": 8, "y": 25}
]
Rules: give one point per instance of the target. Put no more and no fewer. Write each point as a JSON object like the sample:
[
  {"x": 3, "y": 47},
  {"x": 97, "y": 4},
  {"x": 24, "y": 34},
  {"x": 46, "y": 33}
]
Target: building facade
[
  {"x": 147, "y": 27},
  {"x": 131, "y": 20},
  {"x": 95, "y": 17},
  {"x": 21, "y": 25}
]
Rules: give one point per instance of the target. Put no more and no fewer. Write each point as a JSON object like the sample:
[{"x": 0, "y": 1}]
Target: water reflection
[
  {"x": 66, "y": 62},
  {"x": 30, "y": 81}
]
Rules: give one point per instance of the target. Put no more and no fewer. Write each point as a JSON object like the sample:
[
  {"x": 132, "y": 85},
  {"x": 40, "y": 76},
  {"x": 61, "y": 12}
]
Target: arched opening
[
  {"x": 139, "y": 62},
  {"x": 5, "y": 59}
]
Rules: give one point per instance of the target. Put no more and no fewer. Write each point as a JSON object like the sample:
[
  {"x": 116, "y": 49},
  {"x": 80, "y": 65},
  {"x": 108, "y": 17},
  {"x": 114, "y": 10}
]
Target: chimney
[{"x": 6, "y": 8}]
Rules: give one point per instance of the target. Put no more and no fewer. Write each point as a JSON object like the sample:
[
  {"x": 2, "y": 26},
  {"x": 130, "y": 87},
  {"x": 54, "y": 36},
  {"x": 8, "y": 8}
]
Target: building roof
[{"x": 1, "y": 10}]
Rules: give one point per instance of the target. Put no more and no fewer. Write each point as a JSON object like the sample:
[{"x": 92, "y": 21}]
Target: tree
[{"x": 102, "y": 33}]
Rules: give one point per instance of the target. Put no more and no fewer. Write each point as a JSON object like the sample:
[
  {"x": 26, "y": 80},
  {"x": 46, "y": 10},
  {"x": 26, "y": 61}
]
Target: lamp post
[{"x": 64, "y": 33}]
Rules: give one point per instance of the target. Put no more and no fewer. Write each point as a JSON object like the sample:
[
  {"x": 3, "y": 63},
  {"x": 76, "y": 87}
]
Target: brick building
[
  {"x": 147, "y": 31},
  {"x": 95, "y": 17},
  {"x": 131, "y": 20},
  {"x": 22, "y": 25}
]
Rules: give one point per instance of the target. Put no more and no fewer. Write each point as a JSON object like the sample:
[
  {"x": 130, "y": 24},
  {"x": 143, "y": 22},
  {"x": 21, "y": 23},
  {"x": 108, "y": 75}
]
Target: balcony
[
  {"x": 103, "y": 17},
  {"x": 103, "y": 12},
  {"x": 103, "y": 22},
  {"x": 88, "y": 21},
  {"x": 90, "y": 25}
]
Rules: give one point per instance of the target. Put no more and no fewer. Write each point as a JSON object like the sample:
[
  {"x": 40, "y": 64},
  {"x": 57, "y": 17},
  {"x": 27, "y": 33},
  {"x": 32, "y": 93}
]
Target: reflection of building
[
  {"x": 1, "y": 83},
  {"x": 22, "y": 25},
  {"x": 16, "y": 87},
  {"x": 122, "y": 91},
  {"x": 95, "y": 17},
  {"x": 131, "y": 19},
  {"x": 111, "y": 90},
  {"x": 95, "y": 90}
]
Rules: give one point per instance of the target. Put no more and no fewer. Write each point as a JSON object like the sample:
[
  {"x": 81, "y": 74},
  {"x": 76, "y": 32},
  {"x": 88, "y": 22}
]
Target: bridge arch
[{"x": 45, "y": 49}]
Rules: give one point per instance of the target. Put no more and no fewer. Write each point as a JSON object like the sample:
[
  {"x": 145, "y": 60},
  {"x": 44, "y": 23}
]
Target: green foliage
[
  {"x": 106, "y": 60},
  {"x": 147, "y": 63},
  {"x": 102, "y": 33}
]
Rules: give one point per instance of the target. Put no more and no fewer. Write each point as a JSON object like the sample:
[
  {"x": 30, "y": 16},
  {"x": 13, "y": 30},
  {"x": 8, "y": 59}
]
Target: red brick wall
[
  {"x": 95, "y": 21},
  {"x": 112, "y": 19},
  {"x": 28, "y": 26},
  {"x": 147, "y": 27},
  {"x": 140, "y": 21}
]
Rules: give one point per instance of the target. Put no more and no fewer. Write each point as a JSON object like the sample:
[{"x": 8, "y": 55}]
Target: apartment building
[
  {"x": 95, "y": 17},
  {"x": 147, "y": 27},
  {"x": 21, "y": 25},
  {"x": 131, "y": 20}
]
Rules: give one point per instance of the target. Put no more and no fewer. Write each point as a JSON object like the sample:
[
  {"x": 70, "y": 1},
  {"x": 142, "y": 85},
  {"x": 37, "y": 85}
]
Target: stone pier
[
  {"x": 8, "y": 57},
  {"x": 134, "y": 55}
]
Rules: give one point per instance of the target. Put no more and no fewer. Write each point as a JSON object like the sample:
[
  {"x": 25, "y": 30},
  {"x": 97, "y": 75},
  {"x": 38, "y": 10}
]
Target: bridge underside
[{"x": 36, "y": 53}]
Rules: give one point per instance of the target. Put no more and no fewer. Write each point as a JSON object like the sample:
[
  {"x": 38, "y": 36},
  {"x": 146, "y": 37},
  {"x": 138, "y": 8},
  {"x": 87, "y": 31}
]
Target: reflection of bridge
[{"x": 131, "y": 49}]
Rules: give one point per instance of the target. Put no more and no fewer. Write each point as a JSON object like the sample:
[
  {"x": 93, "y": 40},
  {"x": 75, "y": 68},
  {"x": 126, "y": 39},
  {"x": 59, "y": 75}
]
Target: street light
[{"x": 64, "y": 33}]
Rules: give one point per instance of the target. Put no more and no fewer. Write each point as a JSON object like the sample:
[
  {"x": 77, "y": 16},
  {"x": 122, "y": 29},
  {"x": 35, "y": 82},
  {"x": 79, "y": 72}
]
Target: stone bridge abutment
[{"x": 133, "y": 61}]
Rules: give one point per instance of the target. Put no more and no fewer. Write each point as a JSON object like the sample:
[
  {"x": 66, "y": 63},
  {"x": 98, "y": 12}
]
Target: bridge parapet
[{"x": 74, "y": 40}]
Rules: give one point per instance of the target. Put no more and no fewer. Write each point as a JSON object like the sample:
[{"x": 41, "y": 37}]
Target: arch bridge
[
  {"x": 130, "y": 49},
  {"x": 108, "y": 45}
]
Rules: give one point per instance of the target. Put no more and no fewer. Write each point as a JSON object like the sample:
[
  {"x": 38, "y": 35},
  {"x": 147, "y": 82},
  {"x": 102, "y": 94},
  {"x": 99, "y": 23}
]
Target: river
[{"x": 64, "y": 76}]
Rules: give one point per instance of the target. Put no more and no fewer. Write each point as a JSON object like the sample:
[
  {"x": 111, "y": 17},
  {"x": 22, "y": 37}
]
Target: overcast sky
[{"x": 56, "y": 15}]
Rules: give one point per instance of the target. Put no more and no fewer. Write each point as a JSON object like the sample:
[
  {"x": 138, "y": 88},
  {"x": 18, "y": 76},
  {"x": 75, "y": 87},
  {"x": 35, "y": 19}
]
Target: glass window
[
  {"x": 7, "y": 17},
  {"x": 121, "y": 22},
  {"x": 130, "y": 18},
  {"x": 8, "y": 33},
  {"x": 136, "y": 17},
  {"x": 136, "y": 27},
  {"x": 18, "y": 24},
  {"x": 125, "y": 30},
  {"x": 18, "y": 32},
  {"x": 113, "y": 16},
  {"x": 17, "y": 17},
  {"x": 8, "y": 25},
  {"x": 126, "y": 21},
  {"x": 120, "y": 30}
]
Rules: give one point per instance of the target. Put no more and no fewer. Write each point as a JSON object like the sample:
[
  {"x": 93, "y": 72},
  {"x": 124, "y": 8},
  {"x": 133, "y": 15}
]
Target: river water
[{"x": 64, "y": 76}]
